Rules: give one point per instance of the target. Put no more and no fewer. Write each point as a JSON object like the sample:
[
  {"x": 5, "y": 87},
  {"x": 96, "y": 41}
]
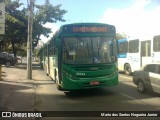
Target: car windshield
[
  {"x": 87, "y": 50},
  {"x": 12, "y": 55}
]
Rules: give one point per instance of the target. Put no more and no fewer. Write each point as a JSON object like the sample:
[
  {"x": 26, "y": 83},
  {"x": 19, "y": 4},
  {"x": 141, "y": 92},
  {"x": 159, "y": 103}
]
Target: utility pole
[{"x": 29, "y": 41}]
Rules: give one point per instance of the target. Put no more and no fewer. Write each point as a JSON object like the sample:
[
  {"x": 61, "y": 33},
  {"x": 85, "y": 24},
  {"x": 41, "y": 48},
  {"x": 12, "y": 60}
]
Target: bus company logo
[
  {"x": 6, "y": 114},
  {"x": 21, "y": 114},
  {"x": 80, "y": 74}
]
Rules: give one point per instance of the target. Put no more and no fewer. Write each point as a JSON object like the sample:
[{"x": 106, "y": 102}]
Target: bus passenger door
[
  {"x": 156, "y": 49},
  {"x": 51, "y": 60},
  {"x": 146, "y": 52}
]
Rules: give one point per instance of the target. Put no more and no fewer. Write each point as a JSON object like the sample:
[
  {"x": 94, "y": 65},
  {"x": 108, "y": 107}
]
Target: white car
[{"x": 148, "y": 78}]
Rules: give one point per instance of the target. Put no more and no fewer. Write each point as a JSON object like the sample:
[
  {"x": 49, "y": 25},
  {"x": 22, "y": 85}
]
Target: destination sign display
[{"x": 89, "y": 29}]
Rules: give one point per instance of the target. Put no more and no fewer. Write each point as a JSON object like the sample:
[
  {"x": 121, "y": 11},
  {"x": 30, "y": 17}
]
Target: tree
[
  {"x": 44, "y": 14},
  {"x": 17, "y": 22},
  {"x": 120, "y": 36}
]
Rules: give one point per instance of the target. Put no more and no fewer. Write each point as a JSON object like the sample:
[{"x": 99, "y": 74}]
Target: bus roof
[
  {"x": 143, "y": 37},
  {"x": 85, "y": 28},
  {"x": 86, "y": 24}
]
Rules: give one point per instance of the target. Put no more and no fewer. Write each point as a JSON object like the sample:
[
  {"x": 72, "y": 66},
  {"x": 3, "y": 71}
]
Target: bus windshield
[{"x": 87, "y": 50}]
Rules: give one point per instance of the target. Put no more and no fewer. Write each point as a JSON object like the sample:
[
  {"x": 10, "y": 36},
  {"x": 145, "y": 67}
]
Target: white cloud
[
  {"x": 134, "y": 21},
  {"x": 53, "y": 27}
]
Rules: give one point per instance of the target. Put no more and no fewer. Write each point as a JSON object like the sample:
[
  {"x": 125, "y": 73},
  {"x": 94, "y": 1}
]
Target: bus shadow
[
  {"x": 126, "y": 91},
  {"x": 35, "y": 66},
  {"x": 123, "y": 73},
  {"x": 124, "y": 96},
  {"x": 88, "y": 93}
]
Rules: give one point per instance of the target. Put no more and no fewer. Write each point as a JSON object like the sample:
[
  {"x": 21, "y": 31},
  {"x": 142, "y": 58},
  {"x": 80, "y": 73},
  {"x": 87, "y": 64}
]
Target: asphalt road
[
  {"x": 40, "y": 94},
  {"x": 123, "y": 97}
]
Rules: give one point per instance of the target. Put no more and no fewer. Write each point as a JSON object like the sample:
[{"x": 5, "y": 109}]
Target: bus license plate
[{"x": 94, "y": 83}]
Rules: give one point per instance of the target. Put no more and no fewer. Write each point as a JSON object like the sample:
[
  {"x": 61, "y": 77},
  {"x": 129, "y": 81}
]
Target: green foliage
[
  {"x": 16, "y": 27},
  {"x": 22, "y": 51},
  {"x": 44, "y": 14},
  {"x": 120, "y": 36}
]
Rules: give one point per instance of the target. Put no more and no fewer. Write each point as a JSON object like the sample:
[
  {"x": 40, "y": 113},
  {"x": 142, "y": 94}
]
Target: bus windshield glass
[{"x": 87, "y": 50}]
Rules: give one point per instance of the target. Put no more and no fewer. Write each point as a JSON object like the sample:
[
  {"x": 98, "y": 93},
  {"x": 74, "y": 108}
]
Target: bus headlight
[
  {"x": 113, "y": 73},
  {"x": 69, "y": 75}
]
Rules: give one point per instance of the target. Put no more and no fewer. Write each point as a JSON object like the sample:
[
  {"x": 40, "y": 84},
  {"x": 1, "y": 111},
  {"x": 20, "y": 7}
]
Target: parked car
[
  {"x": 148, "y": 78},
  {"x": 7, "y": 59}
]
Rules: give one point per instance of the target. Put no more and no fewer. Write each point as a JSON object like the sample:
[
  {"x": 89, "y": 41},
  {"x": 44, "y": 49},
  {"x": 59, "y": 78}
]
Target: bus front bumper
[{"x": 87, "y": 83}]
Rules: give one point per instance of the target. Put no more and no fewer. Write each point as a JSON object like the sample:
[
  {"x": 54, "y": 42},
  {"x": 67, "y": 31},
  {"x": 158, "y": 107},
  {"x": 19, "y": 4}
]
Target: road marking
[
  {"x": 125, "y": 77},
  {"x": 125, "y": 95}
]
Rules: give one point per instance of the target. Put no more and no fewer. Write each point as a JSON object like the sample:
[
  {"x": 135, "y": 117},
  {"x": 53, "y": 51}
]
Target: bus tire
[
  {"x": 56, "y": 81},
  {"x": 59, "y": 87},
  {"x": 55, "y": 77},
  {"x": 127, "y": 69}
]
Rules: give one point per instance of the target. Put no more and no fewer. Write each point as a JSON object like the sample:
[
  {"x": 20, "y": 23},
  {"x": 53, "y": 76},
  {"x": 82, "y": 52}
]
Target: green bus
[{"x": 81, "y": 56}]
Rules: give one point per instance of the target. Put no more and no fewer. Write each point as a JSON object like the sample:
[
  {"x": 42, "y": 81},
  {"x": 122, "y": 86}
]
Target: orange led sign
[{"x": 89, "y": 29}]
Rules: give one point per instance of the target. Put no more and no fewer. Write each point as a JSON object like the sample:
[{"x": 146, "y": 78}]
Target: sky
[{"x": 132, "y": 17}]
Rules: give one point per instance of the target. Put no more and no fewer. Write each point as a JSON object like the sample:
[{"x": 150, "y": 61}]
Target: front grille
[{"x": 92, "y": 68}]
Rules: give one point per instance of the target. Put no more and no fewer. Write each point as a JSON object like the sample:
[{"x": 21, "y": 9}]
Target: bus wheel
[
  {"x": 127, "y": 69},
  {"x": 59, "y": 87},
  {"x": 56, "y": 82},
  {"x": 55, "y": 77},
  {"x": 141, "y": 87}
]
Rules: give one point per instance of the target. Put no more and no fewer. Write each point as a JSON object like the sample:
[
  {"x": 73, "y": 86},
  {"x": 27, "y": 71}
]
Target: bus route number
[{"x": 80, "y": 74}]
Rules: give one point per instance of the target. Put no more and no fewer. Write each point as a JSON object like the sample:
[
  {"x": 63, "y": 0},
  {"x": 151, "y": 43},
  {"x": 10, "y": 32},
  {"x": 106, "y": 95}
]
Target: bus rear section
[{"x": 155, "y": 49}]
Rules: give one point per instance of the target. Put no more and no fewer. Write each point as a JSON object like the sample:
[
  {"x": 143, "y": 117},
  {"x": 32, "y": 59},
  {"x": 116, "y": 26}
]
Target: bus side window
[
  {"x": 54, "y": 47},
  {"x": 123, "y": 47},
  {"x": 156, "y": 43},
  {"x": 134, "y": 46},
  {"x": 146, "y": 48}
]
